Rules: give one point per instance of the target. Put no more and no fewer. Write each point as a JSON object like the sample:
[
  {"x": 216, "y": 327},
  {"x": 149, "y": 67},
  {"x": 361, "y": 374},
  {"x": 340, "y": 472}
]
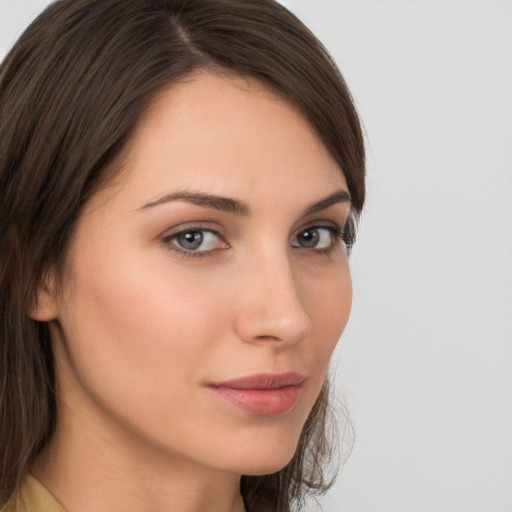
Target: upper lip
[{"x": 263, "y": 381}]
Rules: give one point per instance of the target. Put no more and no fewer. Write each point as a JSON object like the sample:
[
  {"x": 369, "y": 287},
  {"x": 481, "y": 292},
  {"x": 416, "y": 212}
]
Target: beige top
[{"x": 35, "y": 498}]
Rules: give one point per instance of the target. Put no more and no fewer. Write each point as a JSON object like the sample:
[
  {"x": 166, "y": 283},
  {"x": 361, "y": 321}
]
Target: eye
[
  {"x": 195, "y": 240},
  {"x": 317, "y": 237}
]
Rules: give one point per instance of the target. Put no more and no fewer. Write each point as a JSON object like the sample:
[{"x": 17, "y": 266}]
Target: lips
[{"x": 262, "y": 394}]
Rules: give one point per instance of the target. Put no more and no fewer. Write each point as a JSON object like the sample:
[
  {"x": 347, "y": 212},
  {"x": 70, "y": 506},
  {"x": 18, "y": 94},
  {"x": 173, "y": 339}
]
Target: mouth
[{"x": 263, "y": 394}]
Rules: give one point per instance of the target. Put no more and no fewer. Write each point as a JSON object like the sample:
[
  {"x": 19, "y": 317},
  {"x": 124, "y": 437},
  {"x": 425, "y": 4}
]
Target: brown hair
[{"x": 71, "y": 91}]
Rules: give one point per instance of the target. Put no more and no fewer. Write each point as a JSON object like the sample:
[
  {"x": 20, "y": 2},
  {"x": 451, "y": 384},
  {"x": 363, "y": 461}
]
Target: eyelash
[
  {"x": 336, "y": 238},
  {"x": 337, "y": 234}
]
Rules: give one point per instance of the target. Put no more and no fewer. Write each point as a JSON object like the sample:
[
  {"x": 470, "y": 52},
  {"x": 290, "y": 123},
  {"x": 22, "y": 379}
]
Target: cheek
[
  {"x": 138, "y": 329},
  {"x": 327, "y": 297},
  {"x": 328, "y": 301}
]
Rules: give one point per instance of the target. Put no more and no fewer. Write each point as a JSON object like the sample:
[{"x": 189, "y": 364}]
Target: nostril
[{"x": 267, "y": 338}]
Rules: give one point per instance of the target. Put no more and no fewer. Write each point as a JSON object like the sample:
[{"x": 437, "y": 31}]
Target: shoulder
[{"x": 34, "y": 498}]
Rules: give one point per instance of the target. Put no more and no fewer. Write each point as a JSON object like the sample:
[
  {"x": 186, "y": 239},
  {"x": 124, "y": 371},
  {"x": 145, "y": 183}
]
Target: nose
[{"x": 269, "y": 306}]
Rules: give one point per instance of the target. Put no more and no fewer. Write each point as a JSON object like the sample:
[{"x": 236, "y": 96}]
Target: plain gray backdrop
[{"x": 425, "y": 365}]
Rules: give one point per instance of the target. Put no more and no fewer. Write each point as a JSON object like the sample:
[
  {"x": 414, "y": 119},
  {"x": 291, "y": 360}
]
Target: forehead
[{"x": 228, "y": 134}]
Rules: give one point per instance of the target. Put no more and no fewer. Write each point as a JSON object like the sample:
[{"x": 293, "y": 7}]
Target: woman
[{"x": 180, "y": 181}]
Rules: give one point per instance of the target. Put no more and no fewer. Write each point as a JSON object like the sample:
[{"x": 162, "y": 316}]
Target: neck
[{"x": 89, "y": 466}]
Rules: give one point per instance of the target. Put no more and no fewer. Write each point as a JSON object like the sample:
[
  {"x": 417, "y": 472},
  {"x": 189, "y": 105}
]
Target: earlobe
[{"x": 45, "y": 307}]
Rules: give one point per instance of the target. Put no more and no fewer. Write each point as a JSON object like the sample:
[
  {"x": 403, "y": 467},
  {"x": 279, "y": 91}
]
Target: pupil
[
  {"x": 191, "y": 239},
  {"x": 309, "y": 238}
]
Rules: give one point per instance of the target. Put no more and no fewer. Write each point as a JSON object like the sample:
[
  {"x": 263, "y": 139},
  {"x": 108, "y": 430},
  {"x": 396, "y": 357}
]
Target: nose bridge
[{"x": 270, "y": 306}]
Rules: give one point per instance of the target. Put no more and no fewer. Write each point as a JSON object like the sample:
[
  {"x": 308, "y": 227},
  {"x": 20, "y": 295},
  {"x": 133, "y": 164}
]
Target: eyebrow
[
  {"x": 341, "y": 196},
  {"x": 213, "y": 202},
  {"x": 236, "y": 207}
]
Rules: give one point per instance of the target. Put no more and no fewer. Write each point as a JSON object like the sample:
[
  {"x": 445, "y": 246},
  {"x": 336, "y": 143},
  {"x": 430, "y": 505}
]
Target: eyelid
[
  {"x": 193, "y": 226},
  {"x": 319, "y": 223}
]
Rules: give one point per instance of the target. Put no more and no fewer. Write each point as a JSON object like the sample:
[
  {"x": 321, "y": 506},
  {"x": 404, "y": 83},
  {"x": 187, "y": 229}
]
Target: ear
[{"x": 45, "y": 307}]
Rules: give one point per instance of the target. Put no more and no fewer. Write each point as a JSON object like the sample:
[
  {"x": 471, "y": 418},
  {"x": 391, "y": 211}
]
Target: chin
[
  {"x": 265, "y": 454},
  {"x": 267, "y": 467}
]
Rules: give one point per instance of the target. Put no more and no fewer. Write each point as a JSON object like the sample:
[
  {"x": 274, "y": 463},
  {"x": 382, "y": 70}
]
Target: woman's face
[{"x": 215, "y": 257}]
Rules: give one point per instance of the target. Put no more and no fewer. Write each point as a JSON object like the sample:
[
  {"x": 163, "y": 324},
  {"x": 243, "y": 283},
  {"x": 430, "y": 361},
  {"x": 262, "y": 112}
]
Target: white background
[{"x": 425, "y": 365}]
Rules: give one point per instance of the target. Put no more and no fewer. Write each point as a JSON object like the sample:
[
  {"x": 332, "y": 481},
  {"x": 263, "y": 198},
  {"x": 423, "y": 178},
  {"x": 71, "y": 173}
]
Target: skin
[{"x": 140, "y": 326}]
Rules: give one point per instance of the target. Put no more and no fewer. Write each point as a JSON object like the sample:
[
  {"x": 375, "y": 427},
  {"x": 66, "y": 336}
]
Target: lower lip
[{"x": 261, "y": 402}]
